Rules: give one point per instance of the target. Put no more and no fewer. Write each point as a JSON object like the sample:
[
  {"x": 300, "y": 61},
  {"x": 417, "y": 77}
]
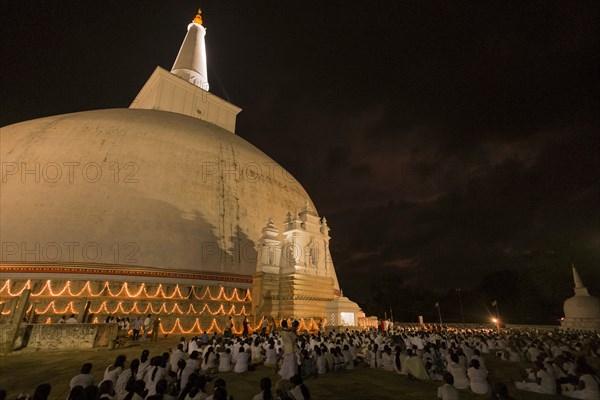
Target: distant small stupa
[{"x": 582, "y": 311}]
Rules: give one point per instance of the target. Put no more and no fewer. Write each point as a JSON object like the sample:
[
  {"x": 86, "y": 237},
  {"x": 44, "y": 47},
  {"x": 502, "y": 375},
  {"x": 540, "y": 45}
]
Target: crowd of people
[{"x": 561, "y": 362}]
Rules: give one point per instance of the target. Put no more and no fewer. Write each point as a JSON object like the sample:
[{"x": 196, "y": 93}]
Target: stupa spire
[
  {"x": 580, "y": 289},
  {"x": 190, "y": 63},
  {"x": 577, "y": 278}
]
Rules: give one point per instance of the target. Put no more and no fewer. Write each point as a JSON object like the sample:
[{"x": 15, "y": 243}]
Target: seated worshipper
[
  {"x": 220, "y": 390},
  {"x": 338, "y": 359},
  {"x": 161, "y": 392},
  {"x": 458, "y": 371},
  {"x": 191, "y": 365},
  {"x": 478, "y": 378},
  {"x": 387, "y": 360},
  {"x": 76, "y": 393},
  {"x": 177, "y": 355},
  {"x": 587, "y": 387},
  {"x": 328, "y": 354},
  {"x": 225, "y": 361},
  {"x": 209, "y": 362},
  {"x": 265, "y": 387},
  {"x": 544, "y": 383},
  {"x": 371, "y": 356},
  {"x": 90, "y": 392},
  {"x": 447, "y": 391},
  {"x": 415, "y": 367},
  {"x": 106, "y": 390},
  {"x": 123, "y": 379},
  {"x": 435, "y": 372},
  {"x": 271, "y": 359},
  {"x": 144, "y": 364},
  {"x": 321, "y": 361},
  {"x": 477, "y": 356},
  {"x": 155, "y": 374},
  {"x": 256, "y": 350},
  {"x": 113, "y": 371},
  {"x": 348, "y": 358},
  {"x": 243, "y": 360},
  {"x": 193, "y": 345},
  {"x": 198, "y": 391},
  {"x": 307, "y": 366},
  {"x": 299, "y": 391},
  {"x": 136, "y": 390},
  {"x": 84, "y": 379}
]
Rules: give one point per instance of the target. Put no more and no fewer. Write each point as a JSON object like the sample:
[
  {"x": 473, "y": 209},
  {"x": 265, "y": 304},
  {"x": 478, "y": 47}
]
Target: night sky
[{"x": 443, "y": 141}]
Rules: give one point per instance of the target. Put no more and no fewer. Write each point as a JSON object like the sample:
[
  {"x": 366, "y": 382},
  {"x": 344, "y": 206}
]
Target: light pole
[{"x": 462, "y": 314}]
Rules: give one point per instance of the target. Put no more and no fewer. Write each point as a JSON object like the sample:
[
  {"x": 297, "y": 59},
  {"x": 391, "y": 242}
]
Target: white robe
[
  {"x": 224, "y": 362},
  {"x": 242, "y": 362},
  {"x": 461, "y": 380},
  {"x": 547, "y": 385},
  {"x": 112, "y": 375},
  {"x": 478, "y": 379},
  {"x": 590, "y": 392}
]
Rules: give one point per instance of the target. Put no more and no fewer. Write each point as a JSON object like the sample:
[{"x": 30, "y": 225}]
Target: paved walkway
[{"x": 23, "y": 371}]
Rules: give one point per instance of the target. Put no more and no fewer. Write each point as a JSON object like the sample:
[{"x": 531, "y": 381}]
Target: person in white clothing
[
  {"x": 478, "y": 378},
  {"x": 124, "y": 377},
  {"x": 146, "y": 326},
  {"x": 265, "y": 387},
  {"x": 209, "y": 363},
  {"x": 447, "y": 391},
  {"x": 587, "y": 388},
  {"x": 113, "y": 371},
  {"x": 84, "y": 379},
  {"x": 242, "y": 361},
  {"x": 545, "y": 382},
  {"x": 387, "y": 360},
  {"x": 289, "y": 338},
  {"x": 461, "y": 380},
  {"x": 225, "y": 361},
  {"x": 177, "y": 355},
  {"x": 191, "y": 365},
  {"x": 197, "y": 392},
  {"x": 154, "y": 375},
  {"x": 271, "y": 359},
  {"x": 321, "y": 361},
  {"x": 477, "y": 356},
  {"x": 193, "y": 345},
  {"x": 299, "y": 391},
  {"x": 144, "y": 364}
]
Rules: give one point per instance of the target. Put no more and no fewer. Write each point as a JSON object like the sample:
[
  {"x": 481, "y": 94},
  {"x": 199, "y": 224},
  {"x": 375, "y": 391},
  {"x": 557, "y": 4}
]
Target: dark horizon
[{"x": 443, "y": 141}]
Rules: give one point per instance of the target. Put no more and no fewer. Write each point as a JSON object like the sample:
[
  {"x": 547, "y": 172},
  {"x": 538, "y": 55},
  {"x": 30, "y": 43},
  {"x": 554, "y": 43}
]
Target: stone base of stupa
[{"x": 585, "y": 324}]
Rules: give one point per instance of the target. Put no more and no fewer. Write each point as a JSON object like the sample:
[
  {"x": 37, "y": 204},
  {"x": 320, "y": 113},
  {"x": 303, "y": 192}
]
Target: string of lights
[
  {"x": 136, "y": 309},
  {"x": 124, "y": 291}
]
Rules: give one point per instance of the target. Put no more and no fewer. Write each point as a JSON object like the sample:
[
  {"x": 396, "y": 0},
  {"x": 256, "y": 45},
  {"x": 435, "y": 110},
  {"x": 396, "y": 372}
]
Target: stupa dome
[
  {"x": 138, "y": 187},
  {"x": 582, "y": 307}
]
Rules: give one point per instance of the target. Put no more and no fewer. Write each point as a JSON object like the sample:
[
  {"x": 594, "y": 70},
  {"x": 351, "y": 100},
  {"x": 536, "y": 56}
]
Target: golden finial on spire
[{"x": 198, "y": 19}]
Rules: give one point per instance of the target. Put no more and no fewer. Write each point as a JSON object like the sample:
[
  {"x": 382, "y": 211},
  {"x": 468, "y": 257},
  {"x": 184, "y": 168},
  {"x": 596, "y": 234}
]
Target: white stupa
[
  {"x": 582, "y": 311},
  {"x": 159, "y": 208}
]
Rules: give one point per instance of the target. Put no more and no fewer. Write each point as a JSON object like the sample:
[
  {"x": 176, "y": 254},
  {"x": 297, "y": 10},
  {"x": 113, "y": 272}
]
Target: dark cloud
[{"x": 442, "y": 140}]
